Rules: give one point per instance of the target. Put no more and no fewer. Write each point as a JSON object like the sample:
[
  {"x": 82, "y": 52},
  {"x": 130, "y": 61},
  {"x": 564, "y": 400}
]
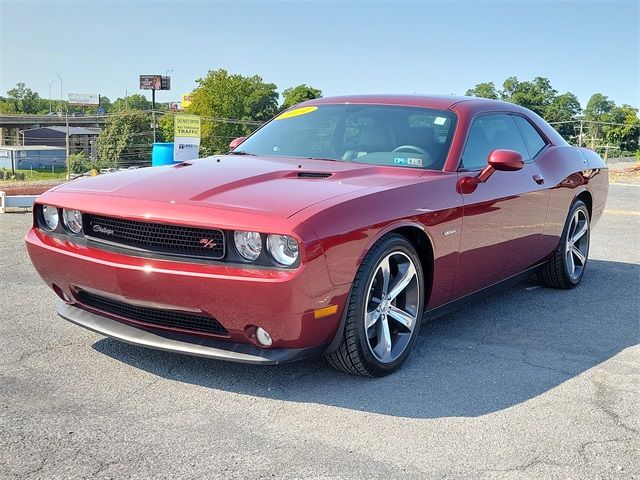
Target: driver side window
[{"x": 488, "y": 133}]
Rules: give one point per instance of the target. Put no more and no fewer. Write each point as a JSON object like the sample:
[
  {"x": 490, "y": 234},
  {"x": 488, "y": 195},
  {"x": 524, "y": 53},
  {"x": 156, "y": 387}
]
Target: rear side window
[
  {"x": 532, "y": 138},
  {"x": 488, "y": 133}
]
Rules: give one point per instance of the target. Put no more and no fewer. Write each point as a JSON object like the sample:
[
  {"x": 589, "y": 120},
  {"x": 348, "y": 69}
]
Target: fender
[{"x": 389, "y": 228}]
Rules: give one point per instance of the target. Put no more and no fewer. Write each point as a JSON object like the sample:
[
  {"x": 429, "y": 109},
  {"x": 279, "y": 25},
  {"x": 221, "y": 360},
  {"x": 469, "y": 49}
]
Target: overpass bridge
[{"x": 12, "y": 124}]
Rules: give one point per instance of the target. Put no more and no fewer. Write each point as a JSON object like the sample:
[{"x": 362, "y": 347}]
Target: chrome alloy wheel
[
  {"x": 391, "y": 309},
  {"x": 577, "y": 244}
]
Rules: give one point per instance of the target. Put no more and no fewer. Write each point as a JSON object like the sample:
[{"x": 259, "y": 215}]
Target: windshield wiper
[{"x": 238, "y": 152}]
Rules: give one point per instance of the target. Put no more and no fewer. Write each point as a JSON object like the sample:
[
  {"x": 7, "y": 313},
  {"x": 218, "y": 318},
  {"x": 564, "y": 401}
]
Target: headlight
[
  {"x": 248, "y": 244},
  {"x": 72, "y": 220},
  {"x": 50, "y": 216},
  {"x": 283, "y": 249}
]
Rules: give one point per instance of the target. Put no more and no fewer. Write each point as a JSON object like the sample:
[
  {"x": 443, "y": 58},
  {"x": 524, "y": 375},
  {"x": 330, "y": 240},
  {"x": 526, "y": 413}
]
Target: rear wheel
[
  {"x": 384, "y": 310},
  {"x": 567, "y": 265}
]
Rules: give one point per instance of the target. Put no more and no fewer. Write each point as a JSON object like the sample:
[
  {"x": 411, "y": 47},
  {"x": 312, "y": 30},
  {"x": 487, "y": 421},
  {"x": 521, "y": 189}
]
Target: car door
[{"x": 504, "y": 217}]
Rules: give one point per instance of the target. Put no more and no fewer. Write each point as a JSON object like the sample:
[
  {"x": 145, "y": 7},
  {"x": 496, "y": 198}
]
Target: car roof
[{"x": 442, "y": 102}]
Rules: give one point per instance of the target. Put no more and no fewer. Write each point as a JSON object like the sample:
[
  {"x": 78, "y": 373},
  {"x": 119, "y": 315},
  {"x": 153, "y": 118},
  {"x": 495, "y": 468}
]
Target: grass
[{"x": 37, "y": 175}]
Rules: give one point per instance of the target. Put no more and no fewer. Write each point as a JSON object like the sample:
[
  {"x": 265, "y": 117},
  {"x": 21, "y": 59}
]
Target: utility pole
[
  {"x": 580, "y": 137},
  {"x": 68, "y": 162}
]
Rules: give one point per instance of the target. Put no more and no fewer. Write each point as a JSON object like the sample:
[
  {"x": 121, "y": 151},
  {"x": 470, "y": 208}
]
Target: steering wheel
[{"x": 411, "y": 148}]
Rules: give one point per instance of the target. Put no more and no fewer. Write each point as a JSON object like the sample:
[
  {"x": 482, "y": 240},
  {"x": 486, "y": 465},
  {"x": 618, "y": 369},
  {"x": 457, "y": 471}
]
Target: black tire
[
  {"x": 355, "y": 355},
  {"x": 556, "y": 273}
]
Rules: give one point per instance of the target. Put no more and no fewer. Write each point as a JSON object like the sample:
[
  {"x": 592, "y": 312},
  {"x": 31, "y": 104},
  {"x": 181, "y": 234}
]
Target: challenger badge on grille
[{"x": 100, "y": 229}]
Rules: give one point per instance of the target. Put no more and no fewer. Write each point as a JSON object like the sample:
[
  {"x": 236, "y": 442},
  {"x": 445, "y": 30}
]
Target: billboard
[
  {"x": 155, "y": 82},
  {"x": 186, "y": 141},
  {"x": 84, "y": 99}
]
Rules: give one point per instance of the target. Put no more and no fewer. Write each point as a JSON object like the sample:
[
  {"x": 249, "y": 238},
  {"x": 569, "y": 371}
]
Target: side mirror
[
  {"x": 506, "y": 160},
  {"x": 236, "y": 141},
  {"x": 502, "y": 160}
]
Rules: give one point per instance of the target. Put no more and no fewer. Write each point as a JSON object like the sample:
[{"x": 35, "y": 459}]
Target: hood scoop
[{"x": 317, "y": 175}]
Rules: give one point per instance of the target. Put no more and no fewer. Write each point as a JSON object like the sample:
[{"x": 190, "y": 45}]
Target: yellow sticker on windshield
[{"x": 295, "y": 112}]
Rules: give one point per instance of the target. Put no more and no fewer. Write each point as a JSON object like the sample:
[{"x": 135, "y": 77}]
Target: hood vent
[{"x": 314, "y": 174}]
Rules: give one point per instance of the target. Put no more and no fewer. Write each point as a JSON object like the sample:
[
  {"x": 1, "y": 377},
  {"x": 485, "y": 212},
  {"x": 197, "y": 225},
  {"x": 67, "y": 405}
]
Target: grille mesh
[
  {"x": 153, "y": 316},
  {"x": 157, "y": 237}
]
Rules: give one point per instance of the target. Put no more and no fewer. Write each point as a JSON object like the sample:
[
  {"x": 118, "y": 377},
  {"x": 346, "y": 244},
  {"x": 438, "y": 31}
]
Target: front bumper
[
  {"x": 281, "y": 302},
  {"x": 188, "y": 344}
]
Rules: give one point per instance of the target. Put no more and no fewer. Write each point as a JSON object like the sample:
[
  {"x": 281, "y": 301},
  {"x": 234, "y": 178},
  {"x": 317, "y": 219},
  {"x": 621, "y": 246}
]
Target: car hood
[{"x": 273, "y": 186}]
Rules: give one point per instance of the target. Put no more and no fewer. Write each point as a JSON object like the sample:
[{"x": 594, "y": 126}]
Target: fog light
[{"x": 263, "y": 337}]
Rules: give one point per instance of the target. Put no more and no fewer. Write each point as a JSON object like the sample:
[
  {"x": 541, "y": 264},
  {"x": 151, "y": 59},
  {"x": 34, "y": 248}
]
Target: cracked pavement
[{"x": 527, "y": 383}]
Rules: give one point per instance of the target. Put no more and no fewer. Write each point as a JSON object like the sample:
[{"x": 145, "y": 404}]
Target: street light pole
[
  {"x": 61, "y": 101},
  {"x": 50, "y": 83}
]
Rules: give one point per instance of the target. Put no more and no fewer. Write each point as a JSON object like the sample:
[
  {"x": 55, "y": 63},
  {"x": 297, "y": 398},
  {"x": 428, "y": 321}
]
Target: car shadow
[{"x": 490, "y": 355}]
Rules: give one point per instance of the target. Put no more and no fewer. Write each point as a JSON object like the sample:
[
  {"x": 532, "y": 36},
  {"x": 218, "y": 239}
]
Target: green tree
[
  {"x": 484, "y": 90},
  {"x": 166, "y": 125},
  {"x": 6, "y": 107},
  {"x": 625, "y": 133},
  {"x": 598, "y": 109},
  {"x": 230, "y": 101},
  {"x": 536, "y": 95},
  {"x": 301, "y": 93},
  {"x": 24, "y": 100},
  {"x": 564, "y": 108},
  {"x": 125, "y": 139},
  {"x": 136, "y": 101},
  {"x": 508, "y": 88}
]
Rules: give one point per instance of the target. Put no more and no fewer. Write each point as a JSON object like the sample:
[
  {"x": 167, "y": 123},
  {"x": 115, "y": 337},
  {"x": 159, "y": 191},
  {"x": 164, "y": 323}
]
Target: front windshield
[{"x": 373, "y": 134}]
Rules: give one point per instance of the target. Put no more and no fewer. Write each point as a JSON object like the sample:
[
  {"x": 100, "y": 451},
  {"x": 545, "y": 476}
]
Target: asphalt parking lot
[{"x": 528, "y": 383}]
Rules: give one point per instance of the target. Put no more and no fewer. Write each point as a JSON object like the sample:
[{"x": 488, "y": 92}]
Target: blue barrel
[{"x": 161, "y": 154}]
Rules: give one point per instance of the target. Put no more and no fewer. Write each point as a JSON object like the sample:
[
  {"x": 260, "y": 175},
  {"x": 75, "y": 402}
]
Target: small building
[
  {"x": 28, "y": 157},
  {"x": 81, "y": 139}
]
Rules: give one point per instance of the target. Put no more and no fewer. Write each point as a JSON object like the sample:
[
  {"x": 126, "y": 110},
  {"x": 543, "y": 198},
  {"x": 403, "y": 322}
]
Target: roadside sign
[
  {"x": 84, "y": 99},
  {"x": 186, "y": 142}
]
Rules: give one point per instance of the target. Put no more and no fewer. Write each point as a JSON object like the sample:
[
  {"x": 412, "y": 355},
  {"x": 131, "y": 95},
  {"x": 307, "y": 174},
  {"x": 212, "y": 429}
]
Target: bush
[{"x": 78, "y": 163}]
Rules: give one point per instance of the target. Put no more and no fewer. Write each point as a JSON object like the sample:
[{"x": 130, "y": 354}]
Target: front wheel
[
  {"x": 384, "y": 310},
  {"x": 566, "y": 267}
]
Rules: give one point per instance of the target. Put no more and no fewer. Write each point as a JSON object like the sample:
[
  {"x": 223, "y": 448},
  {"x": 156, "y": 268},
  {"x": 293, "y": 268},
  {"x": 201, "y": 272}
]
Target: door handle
[{"x": 539, "y": 179}]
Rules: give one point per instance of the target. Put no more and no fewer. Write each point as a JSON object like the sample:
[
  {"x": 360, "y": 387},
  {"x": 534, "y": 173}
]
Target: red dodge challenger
[{"x": 333, "y": 230}]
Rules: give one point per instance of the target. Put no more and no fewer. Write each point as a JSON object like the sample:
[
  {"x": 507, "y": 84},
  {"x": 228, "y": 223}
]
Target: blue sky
[{"x": 339, "y": 47}]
